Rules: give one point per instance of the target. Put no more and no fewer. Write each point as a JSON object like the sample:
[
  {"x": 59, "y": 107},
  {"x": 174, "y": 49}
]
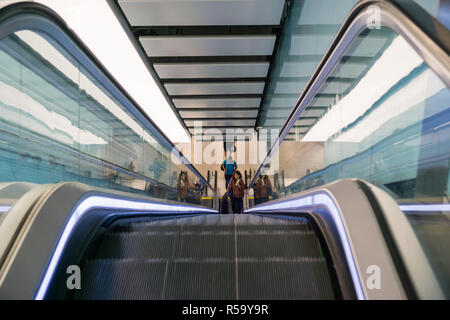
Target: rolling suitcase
[{"x": 224, "y": 204}]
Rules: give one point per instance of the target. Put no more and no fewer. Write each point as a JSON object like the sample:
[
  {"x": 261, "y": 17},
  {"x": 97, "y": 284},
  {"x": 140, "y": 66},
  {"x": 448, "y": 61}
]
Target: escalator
[
  {"x": 218, "y": 257},
  {"x": 342, "y": 238}
]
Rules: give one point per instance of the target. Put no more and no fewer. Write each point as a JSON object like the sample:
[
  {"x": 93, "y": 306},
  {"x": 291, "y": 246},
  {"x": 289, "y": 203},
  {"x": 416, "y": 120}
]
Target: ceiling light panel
[
  {"x": 304, "y": 69},
  {"x": 202, "y": 12},
  {"x": 182, "y": 46},
  {"x": 211, "y": 70}
]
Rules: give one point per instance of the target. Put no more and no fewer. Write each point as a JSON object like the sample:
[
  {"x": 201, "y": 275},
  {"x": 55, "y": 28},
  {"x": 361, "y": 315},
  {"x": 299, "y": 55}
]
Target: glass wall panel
[
  {"x": 387, "y": 125},
  {"x": 58, "y": 123},
  {"x": 308, "y": 31}
]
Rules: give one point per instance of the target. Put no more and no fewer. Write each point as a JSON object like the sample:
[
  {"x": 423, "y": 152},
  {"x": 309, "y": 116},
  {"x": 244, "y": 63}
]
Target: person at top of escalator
[
  {"x": 229, "y": 166},
  {"x": 237, "y": 187},
  {"x": 183, "y": 186}
]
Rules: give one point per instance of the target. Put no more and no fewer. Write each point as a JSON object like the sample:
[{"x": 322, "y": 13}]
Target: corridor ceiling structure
[
  {"x": 213, "y": 58},
  {"x": 245, "y": 63}
]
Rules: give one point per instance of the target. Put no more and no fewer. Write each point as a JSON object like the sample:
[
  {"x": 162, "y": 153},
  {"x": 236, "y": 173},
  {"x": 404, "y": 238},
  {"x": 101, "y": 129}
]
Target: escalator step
[
  {"x": 208, "y": 257},
  {"x": 201, "y": 280},
  {"x": 209, "y": 228},
  {"x": 122, "y": 279},
  {"x": 144, "y": 228},
  {"x": 214, "y": 229},
  {"x": 275, "y": 228},
  {"x": 214, "y": 223},
  {"x": 303, "y": 279},
  {"x": 137, "y": 245}
]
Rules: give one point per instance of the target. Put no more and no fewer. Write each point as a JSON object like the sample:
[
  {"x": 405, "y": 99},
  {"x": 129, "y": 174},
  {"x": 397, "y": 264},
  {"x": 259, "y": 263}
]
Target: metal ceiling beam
[
  {"x": 211, "y": 80},
  {"x": 215, "y": 30},
  {"x": 217, "y": 109},
  {"x": 207, "y": 45},
  {"x": 122, "y": 18}
]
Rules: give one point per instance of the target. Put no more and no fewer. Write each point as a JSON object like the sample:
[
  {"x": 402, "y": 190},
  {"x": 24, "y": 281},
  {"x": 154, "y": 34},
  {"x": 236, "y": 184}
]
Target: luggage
[{"x": 224, "y": 204}]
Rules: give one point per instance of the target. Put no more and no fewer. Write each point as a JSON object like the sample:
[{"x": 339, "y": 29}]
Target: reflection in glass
[
  {"x": 383, "y": 117},
  {"x": 431, "y": 6},
  {"x": 388, "y": 127}
]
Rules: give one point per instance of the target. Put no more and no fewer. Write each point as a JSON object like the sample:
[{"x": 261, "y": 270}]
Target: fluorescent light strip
[
  {"x": 91, "y": 21},
  {"x": 4, "y": 209},
  {"x": 425, "y": 207},
  {"x": 400, "y": 103},
  {"x": 325, "y": 200},
  {"x": 104, "y": 202}
]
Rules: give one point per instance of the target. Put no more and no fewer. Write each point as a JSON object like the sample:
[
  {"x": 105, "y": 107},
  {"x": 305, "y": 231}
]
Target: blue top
[
  {"x": 229, "y": 166},
  {"x": 158, "y": 168}
]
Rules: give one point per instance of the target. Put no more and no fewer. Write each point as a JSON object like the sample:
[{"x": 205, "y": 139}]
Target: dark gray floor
[{"x": 208, "y": 257}]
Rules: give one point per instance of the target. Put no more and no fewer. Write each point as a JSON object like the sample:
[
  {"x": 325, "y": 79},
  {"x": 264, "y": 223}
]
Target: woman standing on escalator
[{"x": 263, "y": 188}]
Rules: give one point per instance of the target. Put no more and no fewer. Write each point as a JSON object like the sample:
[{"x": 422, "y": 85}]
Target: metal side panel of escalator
[{"x": 314, "y": 245}]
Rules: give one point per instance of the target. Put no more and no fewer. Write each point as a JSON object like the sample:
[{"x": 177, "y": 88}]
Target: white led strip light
[{"x": 425, "y": 207}]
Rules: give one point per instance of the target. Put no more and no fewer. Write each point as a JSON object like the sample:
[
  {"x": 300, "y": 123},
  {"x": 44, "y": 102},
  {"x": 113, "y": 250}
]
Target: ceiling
[
  {"x": 213, "y": 57},
  {"x": 308, "y": 32},
  {"x": 244, "y": 63}
]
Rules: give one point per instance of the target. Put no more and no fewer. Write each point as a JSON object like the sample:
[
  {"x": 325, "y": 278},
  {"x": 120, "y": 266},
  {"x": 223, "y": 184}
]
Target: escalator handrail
[
  {"x": 53, "y": 220},
  {"x": 35, "y": 16},
  {"x": 427, "y": 43},
  {"x": 15, "y": 222},
  {"x": 408, "y": 265}
]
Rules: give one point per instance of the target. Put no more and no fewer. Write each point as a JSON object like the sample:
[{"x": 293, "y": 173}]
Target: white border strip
[{"x": 4, "y": 209}]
